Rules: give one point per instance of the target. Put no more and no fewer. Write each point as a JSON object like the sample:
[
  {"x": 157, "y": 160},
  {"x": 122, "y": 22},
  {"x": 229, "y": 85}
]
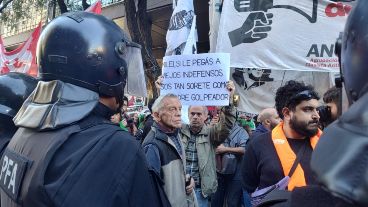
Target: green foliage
[
  {"x": 22, "y": 10},
  {"x": 76, "y": 5},
  {"x": 19, "y": 10}
]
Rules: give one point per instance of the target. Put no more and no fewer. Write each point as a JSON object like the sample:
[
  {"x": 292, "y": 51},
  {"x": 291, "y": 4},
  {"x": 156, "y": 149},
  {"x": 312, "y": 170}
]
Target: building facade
[{"x": 159, "y": 12}]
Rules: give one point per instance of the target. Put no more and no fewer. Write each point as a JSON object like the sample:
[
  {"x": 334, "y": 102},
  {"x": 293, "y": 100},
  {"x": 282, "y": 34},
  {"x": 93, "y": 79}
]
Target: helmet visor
[{"x": 131, "y": 53}]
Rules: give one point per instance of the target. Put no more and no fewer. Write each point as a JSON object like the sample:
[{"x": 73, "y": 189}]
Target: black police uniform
[
  {"x": 7, "y": 129},
  {"x": 91, "y": 163},
  {"x": 14, "y": 89},
  {"x": 4, "y": 140},
  {"x": 5, "y": 135},
  {"x": 66, "y": 153}
]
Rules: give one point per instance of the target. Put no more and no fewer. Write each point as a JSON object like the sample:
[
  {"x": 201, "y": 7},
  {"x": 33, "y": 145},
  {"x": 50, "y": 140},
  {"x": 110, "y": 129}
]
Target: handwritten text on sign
[{"x": 198, "y": 79}]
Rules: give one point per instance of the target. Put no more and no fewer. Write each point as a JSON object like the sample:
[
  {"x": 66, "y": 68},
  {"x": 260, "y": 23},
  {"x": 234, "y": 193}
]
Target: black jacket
[
  {"x": 261, "y": 166},
  {"x": 259, "y": 130},
  {"x": 7, "y": 130},
  {"x": 90, "y": 163}
]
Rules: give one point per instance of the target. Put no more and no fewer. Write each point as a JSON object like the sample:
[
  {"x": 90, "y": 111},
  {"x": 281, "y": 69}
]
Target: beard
[{"x": 301, "y": 127}]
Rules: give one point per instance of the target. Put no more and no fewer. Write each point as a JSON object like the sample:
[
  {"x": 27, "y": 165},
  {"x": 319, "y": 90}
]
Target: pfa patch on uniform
[{"x": 13, "y": 169}]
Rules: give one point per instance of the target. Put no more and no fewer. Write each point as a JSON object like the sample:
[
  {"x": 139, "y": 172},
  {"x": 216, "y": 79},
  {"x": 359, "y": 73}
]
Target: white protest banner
[
  {"x": 214, "y": 11},
  {"x": 191, "y": 43},
  {"x": 257, "y": 87},
  {"x": 282, "y": 34},
  {"x": 179, "y": 27},
  {"x": 198, "y": 79}
]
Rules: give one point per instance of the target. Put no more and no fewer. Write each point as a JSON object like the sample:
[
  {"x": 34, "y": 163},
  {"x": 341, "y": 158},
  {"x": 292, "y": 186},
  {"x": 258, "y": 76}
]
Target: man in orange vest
[
  {"x": 269, "y": 158},
  {"x": 340, "y": 159}
]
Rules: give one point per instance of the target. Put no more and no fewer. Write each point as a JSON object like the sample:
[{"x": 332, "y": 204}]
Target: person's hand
[
  {"x": 230, "y": 87},
  {"x": 255, "y": 28},
  {"x": 190, "y": 187},
  {"x": 221, "y": 149},
  {"x": 215, "y": 120},
  {"x": 158, "y": 82}
]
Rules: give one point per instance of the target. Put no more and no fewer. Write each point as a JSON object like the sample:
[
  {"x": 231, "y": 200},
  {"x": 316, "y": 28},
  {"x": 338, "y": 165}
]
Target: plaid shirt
[
  {"x": 192, "y": 166},
  {"x": 174, "y": 137}
]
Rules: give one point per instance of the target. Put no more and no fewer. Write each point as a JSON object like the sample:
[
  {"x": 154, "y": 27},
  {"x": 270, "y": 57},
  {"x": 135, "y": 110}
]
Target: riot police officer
[
  {"x": 14, "y": 89},
  {"x": 66, "y": 152},
  {"x": 340, "y": 160}
]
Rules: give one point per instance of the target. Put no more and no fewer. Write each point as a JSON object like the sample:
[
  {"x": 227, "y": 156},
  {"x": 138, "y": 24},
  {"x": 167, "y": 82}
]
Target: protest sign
[
  {"x": 257, "y": 87},
  {"x": 282, "y": 34},
  {"x": 198, "y": 79}
]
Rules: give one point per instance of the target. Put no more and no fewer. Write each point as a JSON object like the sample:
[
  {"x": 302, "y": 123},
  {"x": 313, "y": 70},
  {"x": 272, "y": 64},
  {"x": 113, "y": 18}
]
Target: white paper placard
[{"x": 198, "y": 79}]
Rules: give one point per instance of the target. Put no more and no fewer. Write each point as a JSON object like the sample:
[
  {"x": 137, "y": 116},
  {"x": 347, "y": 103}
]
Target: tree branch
[
  {"x": 62, "y": 6},
  {"x": 85, "y": 4},
  {"x": 139, "y": 26}
]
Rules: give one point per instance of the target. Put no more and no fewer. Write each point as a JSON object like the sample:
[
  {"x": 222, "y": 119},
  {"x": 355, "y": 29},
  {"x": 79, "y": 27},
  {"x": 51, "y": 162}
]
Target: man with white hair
[
  {"x": 199, "y": 142},
  {"x": 165, "y": 153}
]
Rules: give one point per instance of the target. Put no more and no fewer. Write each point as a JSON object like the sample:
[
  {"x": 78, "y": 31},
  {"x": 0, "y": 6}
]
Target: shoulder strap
[{"x": 297, "y": 160}]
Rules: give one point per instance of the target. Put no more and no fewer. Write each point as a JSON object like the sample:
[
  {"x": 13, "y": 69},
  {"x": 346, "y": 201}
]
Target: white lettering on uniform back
[
  {"x": 13, "y": 178},
  {"x": 8, "y": 172},
  {"x": 4, "y": 167},
  {"x": 13, "y": 168}
]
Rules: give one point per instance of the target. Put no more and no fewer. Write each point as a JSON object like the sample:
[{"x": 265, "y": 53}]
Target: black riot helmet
[
  {"x": 86, "y": 50},
  {"x": 14, "y": 89},
  {"x": 354, "y": 52}
]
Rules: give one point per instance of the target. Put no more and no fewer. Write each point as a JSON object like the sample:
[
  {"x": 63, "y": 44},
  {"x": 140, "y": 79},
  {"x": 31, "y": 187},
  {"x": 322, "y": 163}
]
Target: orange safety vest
[{"x": 287, "y": 155}]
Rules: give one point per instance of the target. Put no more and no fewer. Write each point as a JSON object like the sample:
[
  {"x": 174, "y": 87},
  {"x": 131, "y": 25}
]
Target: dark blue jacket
[
  {"x": 166, "y": 156},
  {"x": 259, "y": 130}
]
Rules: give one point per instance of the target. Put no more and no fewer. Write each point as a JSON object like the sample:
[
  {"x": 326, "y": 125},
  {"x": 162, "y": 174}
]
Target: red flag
[
  {"x": 95, "y": 8},
  {"x": 22, "y": 59}
]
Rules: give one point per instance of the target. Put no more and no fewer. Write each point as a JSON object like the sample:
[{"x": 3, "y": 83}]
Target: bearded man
[{"x": 269, "y": 158}]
